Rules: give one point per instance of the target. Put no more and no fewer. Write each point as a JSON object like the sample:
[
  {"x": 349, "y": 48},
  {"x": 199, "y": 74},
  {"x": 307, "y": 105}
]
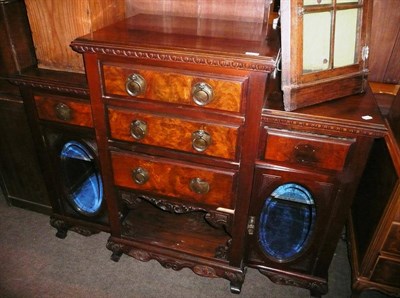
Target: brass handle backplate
[
  {"x": 199, "y": 186},
  {"x": 202, "y": 94},
  {"x": 135, "y": 84},
  {"x": 305, "y": 153},
  {"x": 63, "y": 111},
  {"x": 138, "y": 129},
  {"x": 201, "y": 140},
  {"x": 140, "y": 175}
]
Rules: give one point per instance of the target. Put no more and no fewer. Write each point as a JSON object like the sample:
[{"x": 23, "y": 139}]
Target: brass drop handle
[
  {"x": 201, "y": 140},
  {"x": 140, "y": 175},
  {"x": 199, "y": 186},
  {"x": 63, "y": 111},
  {"x": 135, "y": 84},
  {"x": 202, "y": 94},
  {"x": 138, "y": 129}
]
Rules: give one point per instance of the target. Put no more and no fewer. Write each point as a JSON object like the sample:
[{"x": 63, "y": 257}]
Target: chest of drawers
[{"x": 175, "y": 115}]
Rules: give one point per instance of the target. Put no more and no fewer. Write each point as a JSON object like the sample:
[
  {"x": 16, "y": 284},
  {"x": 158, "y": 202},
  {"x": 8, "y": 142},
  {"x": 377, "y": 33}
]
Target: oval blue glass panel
[
  {"x": 286, "y": 221},
  {"x": 81, "y": 178}
]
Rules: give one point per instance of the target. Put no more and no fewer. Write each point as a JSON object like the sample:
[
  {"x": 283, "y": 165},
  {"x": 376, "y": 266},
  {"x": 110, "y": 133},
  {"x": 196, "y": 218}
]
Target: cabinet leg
[
  {"x": 315, "y": 294},
  {"x": 236, "y": 287}
]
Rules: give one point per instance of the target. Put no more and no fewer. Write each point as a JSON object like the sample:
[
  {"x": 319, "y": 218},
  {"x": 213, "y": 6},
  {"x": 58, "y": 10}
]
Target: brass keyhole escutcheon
[
  {"x": 63, "y": 111},
  {"x": 202, "y": 94},
  {"x": 135, "y": 84},
  {"x": 140, "y": 175},
  {"x": 201, "y": 140},
  {"x": 138, "y": 129},
  {"x": 199, "y": 186}
]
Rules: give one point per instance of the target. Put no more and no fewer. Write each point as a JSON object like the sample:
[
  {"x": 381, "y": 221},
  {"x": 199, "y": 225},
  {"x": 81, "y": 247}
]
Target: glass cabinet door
[
  {"x": 81, "y": 178},
  {"x": 286, "y": 222}
]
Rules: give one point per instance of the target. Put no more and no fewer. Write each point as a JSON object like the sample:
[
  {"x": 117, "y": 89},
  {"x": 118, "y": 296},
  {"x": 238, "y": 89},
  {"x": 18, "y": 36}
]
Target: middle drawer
[
  {"x": 181, "y": 180},
  {"x": 174, "y": 133}
]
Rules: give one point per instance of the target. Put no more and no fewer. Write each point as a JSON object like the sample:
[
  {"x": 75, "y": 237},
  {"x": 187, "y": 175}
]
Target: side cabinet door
[{"x": 289, "y": 217}]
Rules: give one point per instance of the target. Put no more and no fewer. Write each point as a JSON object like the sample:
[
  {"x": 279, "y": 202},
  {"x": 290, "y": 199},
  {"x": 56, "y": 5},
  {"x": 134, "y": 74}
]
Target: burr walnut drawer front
[
  {"x": 307, "y": 149},
  {"x": 216, "y": 140},
  {"x": 173, "y": 87},
  {"x": 165, "y": 177},
  {"x": 63, "y": 109}
]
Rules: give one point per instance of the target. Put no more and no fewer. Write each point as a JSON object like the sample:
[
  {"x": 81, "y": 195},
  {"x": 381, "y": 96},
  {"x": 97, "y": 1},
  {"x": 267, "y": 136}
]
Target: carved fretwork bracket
[
  {"x": 222, "y": 251},
  {"x": 316, "y": 287},
  {"x": 133, "y": 200},
  {"x": 63, "y": 227},
  {"x": 219, "y": 220}
]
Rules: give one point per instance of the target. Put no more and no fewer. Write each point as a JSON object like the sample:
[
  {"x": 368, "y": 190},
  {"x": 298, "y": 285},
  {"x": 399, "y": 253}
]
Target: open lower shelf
[{"x": 187, "y": 233}]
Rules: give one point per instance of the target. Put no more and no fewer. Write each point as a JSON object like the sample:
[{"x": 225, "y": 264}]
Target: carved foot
[
  {"x": 116, "y": 250},
  {"x": 61, "y": 226},
  {"x": 61, "y": 233},
  {"x": 115, "y": 256}
]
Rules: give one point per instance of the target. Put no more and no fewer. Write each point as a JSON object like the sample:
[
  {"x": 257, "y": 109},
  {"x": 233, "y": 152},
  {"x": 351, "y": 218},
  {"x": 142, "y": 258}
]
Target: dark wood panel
[
  {"x": 19, "y": 167},
  {"x": 385, "y": 42},
  {"x": 16, "y": 50}
]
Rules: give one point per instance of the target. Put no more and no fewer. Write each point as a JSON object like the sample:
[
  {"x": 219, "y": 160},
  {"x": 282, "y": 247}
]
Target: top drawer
[
  {"x": 178, "y": 88},
  {"x": 307, "y": 149}
]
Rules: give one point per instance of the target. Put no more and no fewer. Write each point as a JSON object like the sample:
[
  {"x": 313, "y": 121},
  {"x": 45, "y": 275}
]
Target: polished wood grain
[
  {"x": 185, "y": 233},
  {"x": 173, "y": 87},
  {"x": 172, "y": 179},
  {"x": 174, "y": 133},
  {"x": 253, "y": 10},
  {"x": 81, "y": 113},
  {"x": 306, "y": 149},
  {"x": 55, "y": 23}
]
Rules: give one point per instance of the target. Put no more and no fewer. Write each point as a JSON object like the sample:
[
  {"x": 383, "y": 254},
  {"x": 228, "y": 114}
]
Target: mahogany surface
[{"x": 210, "y": 233}]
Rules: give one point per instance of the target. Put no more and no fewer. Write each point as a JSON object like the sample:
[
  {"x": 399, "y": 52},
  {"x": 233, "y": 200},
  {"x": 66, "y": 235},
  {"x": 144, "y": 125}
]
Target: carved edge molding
[
  {"x": 325, "y": 126},
  {"x": 50, "y": 86},
  {"x": 63, "y": 227},
  {"x": 175, "y": 264},
  {"x": 320, "y": 287},
  {"x": 243, "y": 64}
]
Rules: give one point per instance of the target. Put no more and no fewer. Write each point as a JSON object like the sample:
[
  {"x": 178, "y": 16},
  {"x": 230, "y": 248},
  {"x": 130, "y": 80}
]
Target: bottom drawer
[
  {"x": 387, "y": 271},
  {"x": 185, "y": 181}
]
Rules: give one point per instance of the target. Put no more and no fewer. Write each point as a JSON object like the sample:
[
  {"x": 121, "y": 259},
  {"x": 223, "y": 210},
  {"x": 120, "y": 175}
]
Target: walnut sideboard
[{"x": 180, "y": 149}]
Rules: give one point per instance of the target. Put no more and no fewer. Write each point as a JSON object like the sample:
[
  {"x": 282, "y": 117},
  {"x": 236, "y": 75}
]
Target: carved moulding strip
[
  {"x": 62, "y": 228},
  {"x": 264, "y": 65},
  {"x": 168, "y": 262},
  {"x": 49, "y": 86},
  {"x": 319, "y": 287},
  {"x": 309, "y": 124}
]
